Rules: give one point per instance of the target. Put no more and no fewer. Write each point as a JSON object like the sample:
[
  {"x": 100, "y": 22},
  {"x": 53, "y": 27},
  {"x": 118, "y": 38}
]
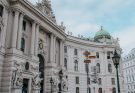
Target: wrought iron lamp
[
  {"x": 52, "y": 82},
  {"x": 116, "y": 60},
  {"x": 60, "y": 84}
]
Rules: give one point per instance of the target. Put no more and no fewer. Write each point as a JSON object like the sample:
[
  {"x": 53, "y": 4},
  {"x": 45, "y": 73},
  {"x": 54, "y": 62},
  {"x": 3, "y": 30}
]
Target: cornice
[
  {"x": 41, "y": 15},
  {"x": 88, "y": 43}
]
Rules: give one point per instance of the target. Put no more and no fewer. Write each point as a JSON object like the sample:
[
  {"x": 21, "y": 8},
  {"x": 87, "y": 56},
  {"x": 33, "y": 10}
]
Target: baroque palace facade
[
  {"x": 34, "y": 48},
  {"x": 128, "y": 63}
]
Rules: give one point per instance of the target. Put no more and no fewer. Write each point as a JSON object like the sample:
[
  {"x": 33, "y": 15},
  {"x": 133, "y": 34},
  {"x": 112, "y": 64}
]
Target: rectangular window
[
  {"x": 76, "y": 65},
  {"x": 77, "y": 80},
  {"x": 1, "y": 10},
  {"x": 113, "y": 81},
  {"x": 89, "y": 90},
  {"x": 75, "y": 51},
  {"x": 88, "y": 80},
  {"x": 108, "y": 55},
  {"x": 97, "y": 54},
  {"x": 77, "y": 89},
  {"x": 65, "y": 49},
  {"x": 24, "y": 25}
]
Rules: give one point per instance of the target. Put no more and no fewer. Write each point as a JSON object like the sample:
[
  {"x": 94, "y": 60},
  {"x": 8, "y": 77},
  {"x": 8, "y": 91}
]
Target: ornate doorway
[{"x": 41, "y": 70}]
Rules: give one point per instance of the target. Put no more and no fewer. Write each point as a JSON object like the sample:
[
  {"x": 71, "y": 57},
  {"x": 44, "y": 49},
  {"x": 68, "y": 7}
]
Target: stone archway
[{"x": 41, "y": 70}]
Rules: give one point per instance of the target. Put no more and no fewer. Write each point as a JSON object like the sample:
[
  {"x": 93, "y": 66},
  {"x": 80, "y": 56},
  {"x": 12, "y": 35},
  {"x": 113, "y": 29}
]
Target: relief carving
[
  {"x": 17, "y": 79},
  {"x": 36, "y": 80}
]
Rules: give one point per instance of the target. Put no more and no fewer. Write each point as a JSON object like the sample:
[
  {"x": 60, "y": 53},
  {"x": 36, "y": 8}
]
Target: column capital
[
  {"x": 22, "y": 14},
  {"x": 37, "y": 23},
  {"x": 62, "y": 41}
]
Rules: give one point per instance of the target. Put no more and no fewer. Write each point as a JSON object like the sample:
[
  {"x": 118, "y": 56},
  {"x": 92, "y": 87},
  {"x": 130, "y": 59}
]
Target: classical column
[
  {"x": 20, "y": 32},
  {"x": 33, "y": 38},
  {"x": 15, "y": 29},
  {"x": 3, "y": 35},
  {"x": 54, "y": 51},
  {"x": 51, "y": 48},
  {"x": 61, "y": 53},
  {"x": 37, "y": 38}
]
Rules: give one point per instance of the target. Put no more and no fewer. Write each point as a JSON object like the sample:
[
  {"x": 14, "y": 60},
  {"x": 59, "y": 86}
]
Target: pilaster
[
  {"x": 3, "y": 35},
  {"x": 61, "y": 53},
  {"x": 32, "y": 38},
  {"x": 20, "y": 32},
  {"x": 54, "y": 47},
  {"x": 51, "y": 48},
  {"x": 15, "y": 29},
  {"x": 36, "y": 40}
]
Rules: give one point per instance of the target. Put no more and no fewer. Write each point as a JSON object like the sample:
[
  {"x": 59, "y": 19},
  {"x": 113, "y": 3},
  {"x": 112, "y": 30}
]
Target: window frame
[
  {"x": 77, "y": 89},
  {"x": 76, "y": 65},
  {"x": 77, "y": 80},
  {"x": 1, "y": 10},
  {"x": 75, "y": 52},
  {"x": 23, "y": 44},
  {"x": 65, "y": 63}
]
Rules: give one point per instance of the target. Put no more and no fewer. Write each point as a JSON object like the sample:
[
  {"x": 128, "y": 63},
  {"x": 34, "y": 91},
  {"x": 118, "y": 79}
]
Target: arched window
[
  {"x": 41, "y": 70},
  {"x": 22, "y": 44},
  {"x": 1, "y": 10},
  {"x": 114, "y": 90},
  {"x": 76, "y": 65},
  {"x": 98, "y": 68},
  {"x": 110, "y": 68},
  {"x": 100, "y": 90},
  {"x": 65, "y": 63}
]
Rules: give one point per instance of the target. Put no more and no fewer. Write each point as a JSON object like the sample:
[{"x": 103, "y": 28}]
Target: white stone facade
[
  {"x": 32, "y": 51},
  {"x": 129, "y": 71}
]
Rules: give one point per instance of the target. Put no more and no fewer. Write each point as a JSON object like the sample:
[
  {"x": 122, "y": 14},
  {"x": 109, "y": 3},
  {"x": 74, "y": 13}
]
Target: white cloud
[
  {"x": 84, "y": 28},
  {"x": 127, "y": 38},
  {"x": 85, "y": 15}
]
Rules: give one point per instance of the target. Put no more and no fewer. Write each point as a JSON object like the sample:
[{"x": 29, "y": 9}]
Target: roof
[{"x": 102, "y": 34}]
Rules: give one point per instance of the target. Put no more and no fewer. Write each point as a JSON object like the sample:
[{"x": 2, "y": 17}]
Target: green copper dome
[{"x": 102, "y": 34}]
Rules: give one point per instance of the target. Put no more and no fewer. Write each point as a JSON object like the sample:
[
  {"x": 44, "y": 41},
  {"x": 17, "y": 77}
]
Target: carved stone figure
[
  {"x": 36, "y": 81},
  {"x": 17, "y": 79},
  {"x": 65, "y": 85}
]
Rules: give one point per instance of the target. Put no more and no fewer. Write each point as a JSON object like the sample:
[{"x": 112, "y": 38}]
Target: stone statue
[
  {"x": 17, "y": 79},
  {"x": 36, "y": 80},
  {"x": 62, "y": 26},
  {"x": 65, "y": 84}
]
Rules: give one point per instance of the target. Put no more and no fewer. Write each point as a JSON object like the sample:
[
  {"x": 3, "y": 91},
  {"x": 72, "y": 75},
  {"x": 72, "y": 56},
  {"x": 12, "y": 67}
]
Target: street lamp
[
  {"x": 52, "y": 82},
  {"x": 116, "y": 60},
  {"x": 60, "y": 84}
]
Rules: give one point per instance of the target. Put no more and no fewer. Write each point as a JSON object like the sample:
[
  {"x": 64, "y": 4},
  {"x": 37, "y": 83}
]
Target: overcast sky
[{"x": 86, "y": 16}]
